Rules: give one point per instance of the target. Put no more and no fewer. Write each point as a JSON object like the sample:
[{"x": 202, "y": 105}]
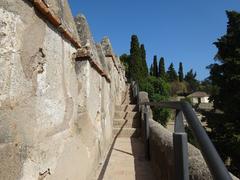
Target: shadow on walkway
[
  {"x": 143, "y": 170},
  {"x": 104, "y": 167}
]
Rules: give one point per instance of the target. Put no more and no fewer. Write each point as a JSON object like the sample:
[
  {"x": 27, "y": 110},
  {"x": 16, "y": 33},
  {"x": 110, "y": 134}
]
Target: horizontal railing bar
[
  {"x": 213, "y": 160},
  {"x": 170, "y": 104}
]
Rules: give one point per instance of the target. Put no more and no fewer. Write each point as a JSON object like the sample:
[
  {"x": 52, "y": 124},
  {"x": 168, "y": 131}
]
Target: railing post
[
  {"x": 180, "y": 147},
  {"x": 146, "y": 133}
]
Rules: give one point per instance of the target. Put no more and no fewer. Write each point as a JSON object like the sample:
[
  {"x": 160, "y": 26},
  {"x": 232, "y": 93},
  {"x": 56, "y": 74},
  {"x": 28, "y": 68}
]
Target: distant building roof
[{"x": 198, "y": 94}]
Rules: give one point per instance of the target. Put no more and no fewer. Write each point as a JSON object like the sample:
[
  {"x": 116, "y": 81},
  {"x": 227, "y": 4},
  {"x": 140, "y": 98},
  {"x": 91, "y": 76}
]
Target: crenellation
[{"x": 107, "y": 47}]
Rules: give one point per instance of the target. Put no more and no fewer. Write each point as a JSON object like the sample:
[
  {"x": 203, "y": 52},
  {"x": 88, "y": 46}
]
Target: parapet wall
[
  {"x": 162, "y": 155},
  {"x": 55, "y": 111}
]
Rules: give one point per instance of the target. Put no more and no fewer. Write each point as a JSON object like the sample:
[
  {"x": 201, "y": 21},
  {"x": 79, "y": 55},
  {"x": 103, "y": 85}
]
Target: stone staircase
[
  {"x": 126, "y": 159},
  {"x": 126, "y": 121}
]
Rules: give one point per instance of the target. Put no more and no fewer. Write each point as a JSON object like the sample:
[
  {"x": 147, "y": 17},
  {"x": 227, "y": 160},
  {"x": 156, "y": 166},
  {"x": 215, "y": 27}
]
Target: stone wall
[
  {"x": 55, "y": 112},
  {"x": 161, "y": 152}
]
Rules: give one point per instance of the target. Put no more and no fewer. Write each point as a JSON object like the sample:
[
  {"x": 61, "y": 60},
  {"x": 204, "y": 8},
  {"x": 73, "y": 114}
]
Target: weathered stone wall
[
  {"x": 161, "y": 152},
  {"x": 55, "y": 114}
]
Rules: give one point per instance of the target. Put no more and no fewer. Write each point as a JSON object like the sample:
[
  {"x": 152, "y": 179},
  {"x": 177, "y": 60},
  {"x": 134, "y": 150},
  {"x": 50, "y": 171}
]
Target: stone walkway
[{"x": 127, "y": 162}]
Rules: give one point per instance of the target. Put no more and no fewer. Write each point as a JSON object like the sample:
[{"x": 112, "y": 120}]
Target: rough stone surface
[
  {"x": 87, "y": 39},
  {"x": 101, "y": 57},
  {"x": 55, "y": 113},
  {"x": 62, "y": 10},
  {"x": 107, "y": 47}
]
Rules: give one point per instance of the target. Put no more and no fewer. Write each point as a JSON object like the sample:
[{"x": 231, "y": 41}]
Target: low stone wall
[
  {"x": 161, "y": 152},
  {"x": 162, "y": 158}
]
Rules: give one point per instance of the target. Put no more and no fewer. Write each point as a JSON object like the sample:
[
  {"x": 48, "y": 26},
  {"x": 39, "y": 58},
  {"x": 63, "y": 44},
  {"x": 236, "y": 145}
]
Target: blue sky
[{"x": 177, "y": 30}]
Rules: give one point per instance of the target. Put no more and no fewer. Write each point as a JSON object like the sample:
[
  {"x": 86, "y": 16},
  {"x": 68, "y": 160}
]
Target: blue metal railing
[{"x": 180, "y": 144}]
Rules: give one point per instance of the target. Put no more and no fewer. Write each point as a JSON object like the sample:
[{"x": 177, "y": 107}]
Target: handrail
[{"x": 213, "y": 160}]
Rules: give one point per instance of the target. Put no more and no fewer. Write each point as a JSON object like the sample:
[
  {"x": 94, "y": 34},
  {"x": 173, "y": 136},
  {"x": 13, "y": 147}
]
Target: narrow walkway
[{"x": 125, "y": 159}]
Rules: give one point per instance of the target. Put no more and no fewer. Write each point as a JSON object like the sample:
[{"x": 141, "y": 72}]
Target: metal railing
[{"x": 180, "y": 144}]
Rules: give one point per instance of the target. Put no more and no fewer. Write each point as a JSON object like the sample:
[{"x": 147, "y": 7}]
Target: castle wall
[{"x": 55, "y": 113}]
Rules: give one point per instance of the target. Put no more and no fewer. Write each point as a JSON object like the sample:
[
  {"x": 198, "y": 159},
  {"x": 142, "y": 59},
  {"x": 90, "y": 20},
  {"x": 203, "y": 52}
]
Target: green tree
[
  {"x": 225, "y": 74},
  {"x": 155, "y": 66},
  {"x": 151, "y": 70},
  {"x": 180, "y": 72},
  {"x": 158, "y": 90},
  {"x": 162, "y": 68},
  {"x": 171, "y": 73},
  {"x": 135, "y": 65},
  {"x": 177, "y": 88},
  {"x": 144, "y": 62},
  {"x": 193, "y": 83},
  {"x": 207, "y": 86}
]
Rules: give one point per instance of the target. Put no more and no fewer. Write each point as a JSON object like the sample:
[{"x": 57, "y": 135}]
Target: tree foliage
[
  {"x": 193, "y": 83},
  {"x": 180, "y": 72},
  {"x": 155, "y": 66},
  {"x": 135, "y": 58},
  {"x": 144, "y": 61},
  {"x": 225, "y": 75},
  {"x": 158, "y": 90},
  {"x": 151, "y": 70},
  {"x": 138, "y": 69},
  {"x": 177, "y": 88},
  {"x": 207, "y": 86},
  {"x": 171, "y": 73},
  {"x": 161, "y": 68}
]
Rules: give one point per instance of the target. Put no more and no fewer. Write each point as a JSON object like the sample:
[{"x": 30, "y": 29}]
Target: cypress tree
[
  {"x": 180, "y": 72},
  {"x": 135, "y": 59},
  {"x": 161, "y": 68},
  {"x": 155, "y": 66},
  {"x": 171, "y": 73},
  {"x": 144, "y": 63},
  {"x": 151, "y": 70}
]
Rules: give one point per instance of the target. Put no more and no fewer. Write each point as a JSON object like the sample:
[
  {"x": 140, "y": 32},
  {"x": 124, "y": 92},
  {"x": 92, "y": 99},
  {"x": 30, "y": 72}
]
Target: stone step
[
  {"x": 126, "y": 103},
  {"x": 127, "y": 107},
  {"x": 132, "y": 123},
  {"x": 126, "y": 115},
  {"x": 128, "y": 99},
  {"x": 127, "y": 132}
]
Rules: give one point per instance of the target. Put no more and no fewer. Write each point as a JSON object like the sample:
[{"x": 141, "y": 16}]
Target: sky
[{"x": 178, "y": 30}]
